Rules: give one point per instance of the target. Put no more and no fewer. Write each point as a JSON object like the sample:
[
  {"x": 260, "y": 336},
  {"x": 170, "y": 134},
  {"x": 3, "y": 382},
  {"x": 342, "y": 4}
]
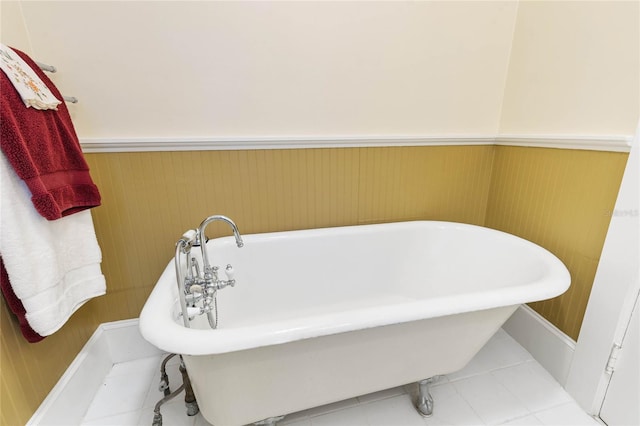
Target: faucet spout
[
  {"x": 231, "y": 223},
  {"x": 201, "y": 235}
]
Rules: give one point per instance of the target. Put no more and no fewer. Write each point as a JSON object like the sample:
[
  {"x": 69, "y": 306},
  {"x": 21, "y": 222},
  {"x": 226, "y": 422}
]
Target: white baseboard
[
  {"x": 111, "y": 343},
  {"x": 549, "y": 346}
]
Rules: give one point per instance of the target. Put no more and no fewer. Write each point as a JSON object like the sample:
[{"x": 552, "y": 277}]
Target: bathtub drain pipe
[
  {"x": 164, "y": 379},
  {"x": 189, "y": 396},
  {"x": 157, "y": 417},
  {"x": 189, "y": 399}
]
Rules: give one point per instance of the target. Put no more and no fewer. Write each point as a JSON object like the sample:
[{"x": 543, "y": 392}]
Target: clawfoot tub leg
[
  {"x": 271, "y": 421},
  {"x": 424, "y": 405}
]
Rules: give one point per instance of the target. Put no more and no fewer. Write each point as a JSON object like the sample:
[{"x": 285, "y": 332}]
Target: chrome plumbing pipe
[{"x": 183, "y": 247}]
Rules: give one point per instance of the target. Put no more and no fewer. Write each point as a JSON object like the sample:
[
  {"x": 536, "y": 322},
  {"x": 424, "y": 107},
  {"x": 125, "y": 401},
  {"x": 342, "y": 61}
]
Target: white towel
[
  {"x": 53, "y": 266},
  {"x": 32, "y": 90}
]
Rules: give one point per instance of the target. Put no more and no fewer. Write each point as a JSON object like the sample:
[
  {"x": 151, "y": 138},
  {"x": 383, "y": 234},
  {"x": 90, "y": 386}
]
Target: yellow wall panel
[
  {"x": 436, "y": 183},
  {"x": 29, "y": 371},
  {"x": 561, "y": 200}
]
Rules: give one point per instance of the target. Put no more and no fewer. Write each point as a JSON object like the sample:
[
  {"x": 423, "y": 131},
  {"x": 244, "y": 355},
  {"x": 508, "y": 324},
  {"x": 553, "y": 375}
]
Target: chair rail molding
[{"x": 615, "y": 143}]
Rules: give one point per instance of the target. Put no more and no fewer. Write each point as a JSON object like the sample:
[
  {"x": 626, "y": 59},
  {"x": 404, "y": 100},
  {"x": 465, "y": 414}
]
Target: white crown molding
[{"x": 616, "y": 143}]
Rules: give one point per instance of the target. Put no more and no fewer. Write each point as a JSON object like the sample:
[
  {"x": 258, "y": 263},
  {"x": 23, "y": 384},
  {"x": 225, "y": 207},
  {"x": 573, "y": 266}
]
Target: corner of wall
[
  {"x": 494, "y": 150},
  {"x": 506, "y": 74},
  {"x": 552, "y": 348},
  {"x": 111, "y": 343},
  {"x": 13, "y": 28}
]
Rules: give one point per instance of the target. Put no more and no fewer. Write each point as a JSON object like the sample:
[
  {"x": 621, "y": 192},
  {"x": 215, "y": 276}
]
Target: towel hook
[
  {"x": 52, "y": 69},
  {"x": 45, "y": 67}
]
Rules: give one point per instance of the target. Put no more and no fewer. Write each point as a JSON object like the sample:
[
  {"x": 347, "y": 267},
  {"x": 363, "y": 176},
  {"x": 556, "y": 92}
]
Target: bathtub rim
[{"x": 159, "y": 328}]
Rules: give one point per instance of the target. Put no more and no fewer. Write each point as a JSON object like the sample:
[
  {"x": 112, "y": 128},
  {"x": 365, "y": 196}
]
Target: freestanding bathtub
[{"x": 323, "y": 315}]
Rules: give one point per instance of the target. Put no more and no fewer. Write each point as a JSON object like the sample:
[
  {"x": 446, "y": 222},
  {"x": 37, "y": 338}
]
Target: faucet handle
[
  {"x": 190, "y": 235},
  {"x": 230, "y": 273}
]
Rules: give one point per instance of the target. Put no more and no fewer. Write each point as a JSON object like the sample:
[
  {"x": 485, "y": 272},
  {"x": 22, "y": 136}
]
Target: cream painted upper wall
[
  {"x": 574, "y": 69},
  {"x": 164, "y": 69},
  {"x": 225, "y": 69},
  {"x": 12, "y": 29}
]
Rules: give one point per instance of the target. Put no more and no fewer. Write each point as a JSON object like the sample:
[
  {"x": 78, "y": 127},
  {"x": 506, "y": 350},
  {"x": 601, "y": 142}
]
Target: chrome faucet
[
  {"x": 201, "y": 236},
  {"x": 196, "y": 286}
]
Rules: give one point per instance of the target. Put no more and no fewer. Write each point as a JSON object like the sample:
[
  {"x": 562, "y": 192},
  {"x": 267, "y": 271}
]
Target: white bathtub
[{"x": 322, "y": 315}]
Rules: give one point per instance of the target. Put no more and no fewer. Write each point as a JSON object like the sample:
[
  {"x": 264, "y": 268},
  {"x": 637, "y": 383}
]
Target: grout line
[
  {"x": 108, "y": 416},
  {"x": 382, "y": 398},
  {"x": 515, "y": 365},
  {"x": 559, "y": 404},
  {"x": 466, "y": 402},
  {"x": 489, "y": 371}
]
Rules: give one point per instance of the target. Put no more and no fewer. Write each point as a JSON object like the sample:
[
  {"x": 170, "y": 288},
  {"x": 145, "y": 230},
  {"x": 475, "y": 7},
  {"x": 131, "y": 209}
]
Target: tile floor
[{"x": 502, "y": 385}]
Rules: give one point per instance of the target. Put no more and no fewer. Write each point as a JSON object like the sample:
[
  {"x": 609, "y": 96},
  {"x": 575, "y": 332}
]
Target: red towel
[
  {"x": 43, "y": 149},
  {"x": 16, "y": 306},
  {"x": 45, "y": 153}
]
